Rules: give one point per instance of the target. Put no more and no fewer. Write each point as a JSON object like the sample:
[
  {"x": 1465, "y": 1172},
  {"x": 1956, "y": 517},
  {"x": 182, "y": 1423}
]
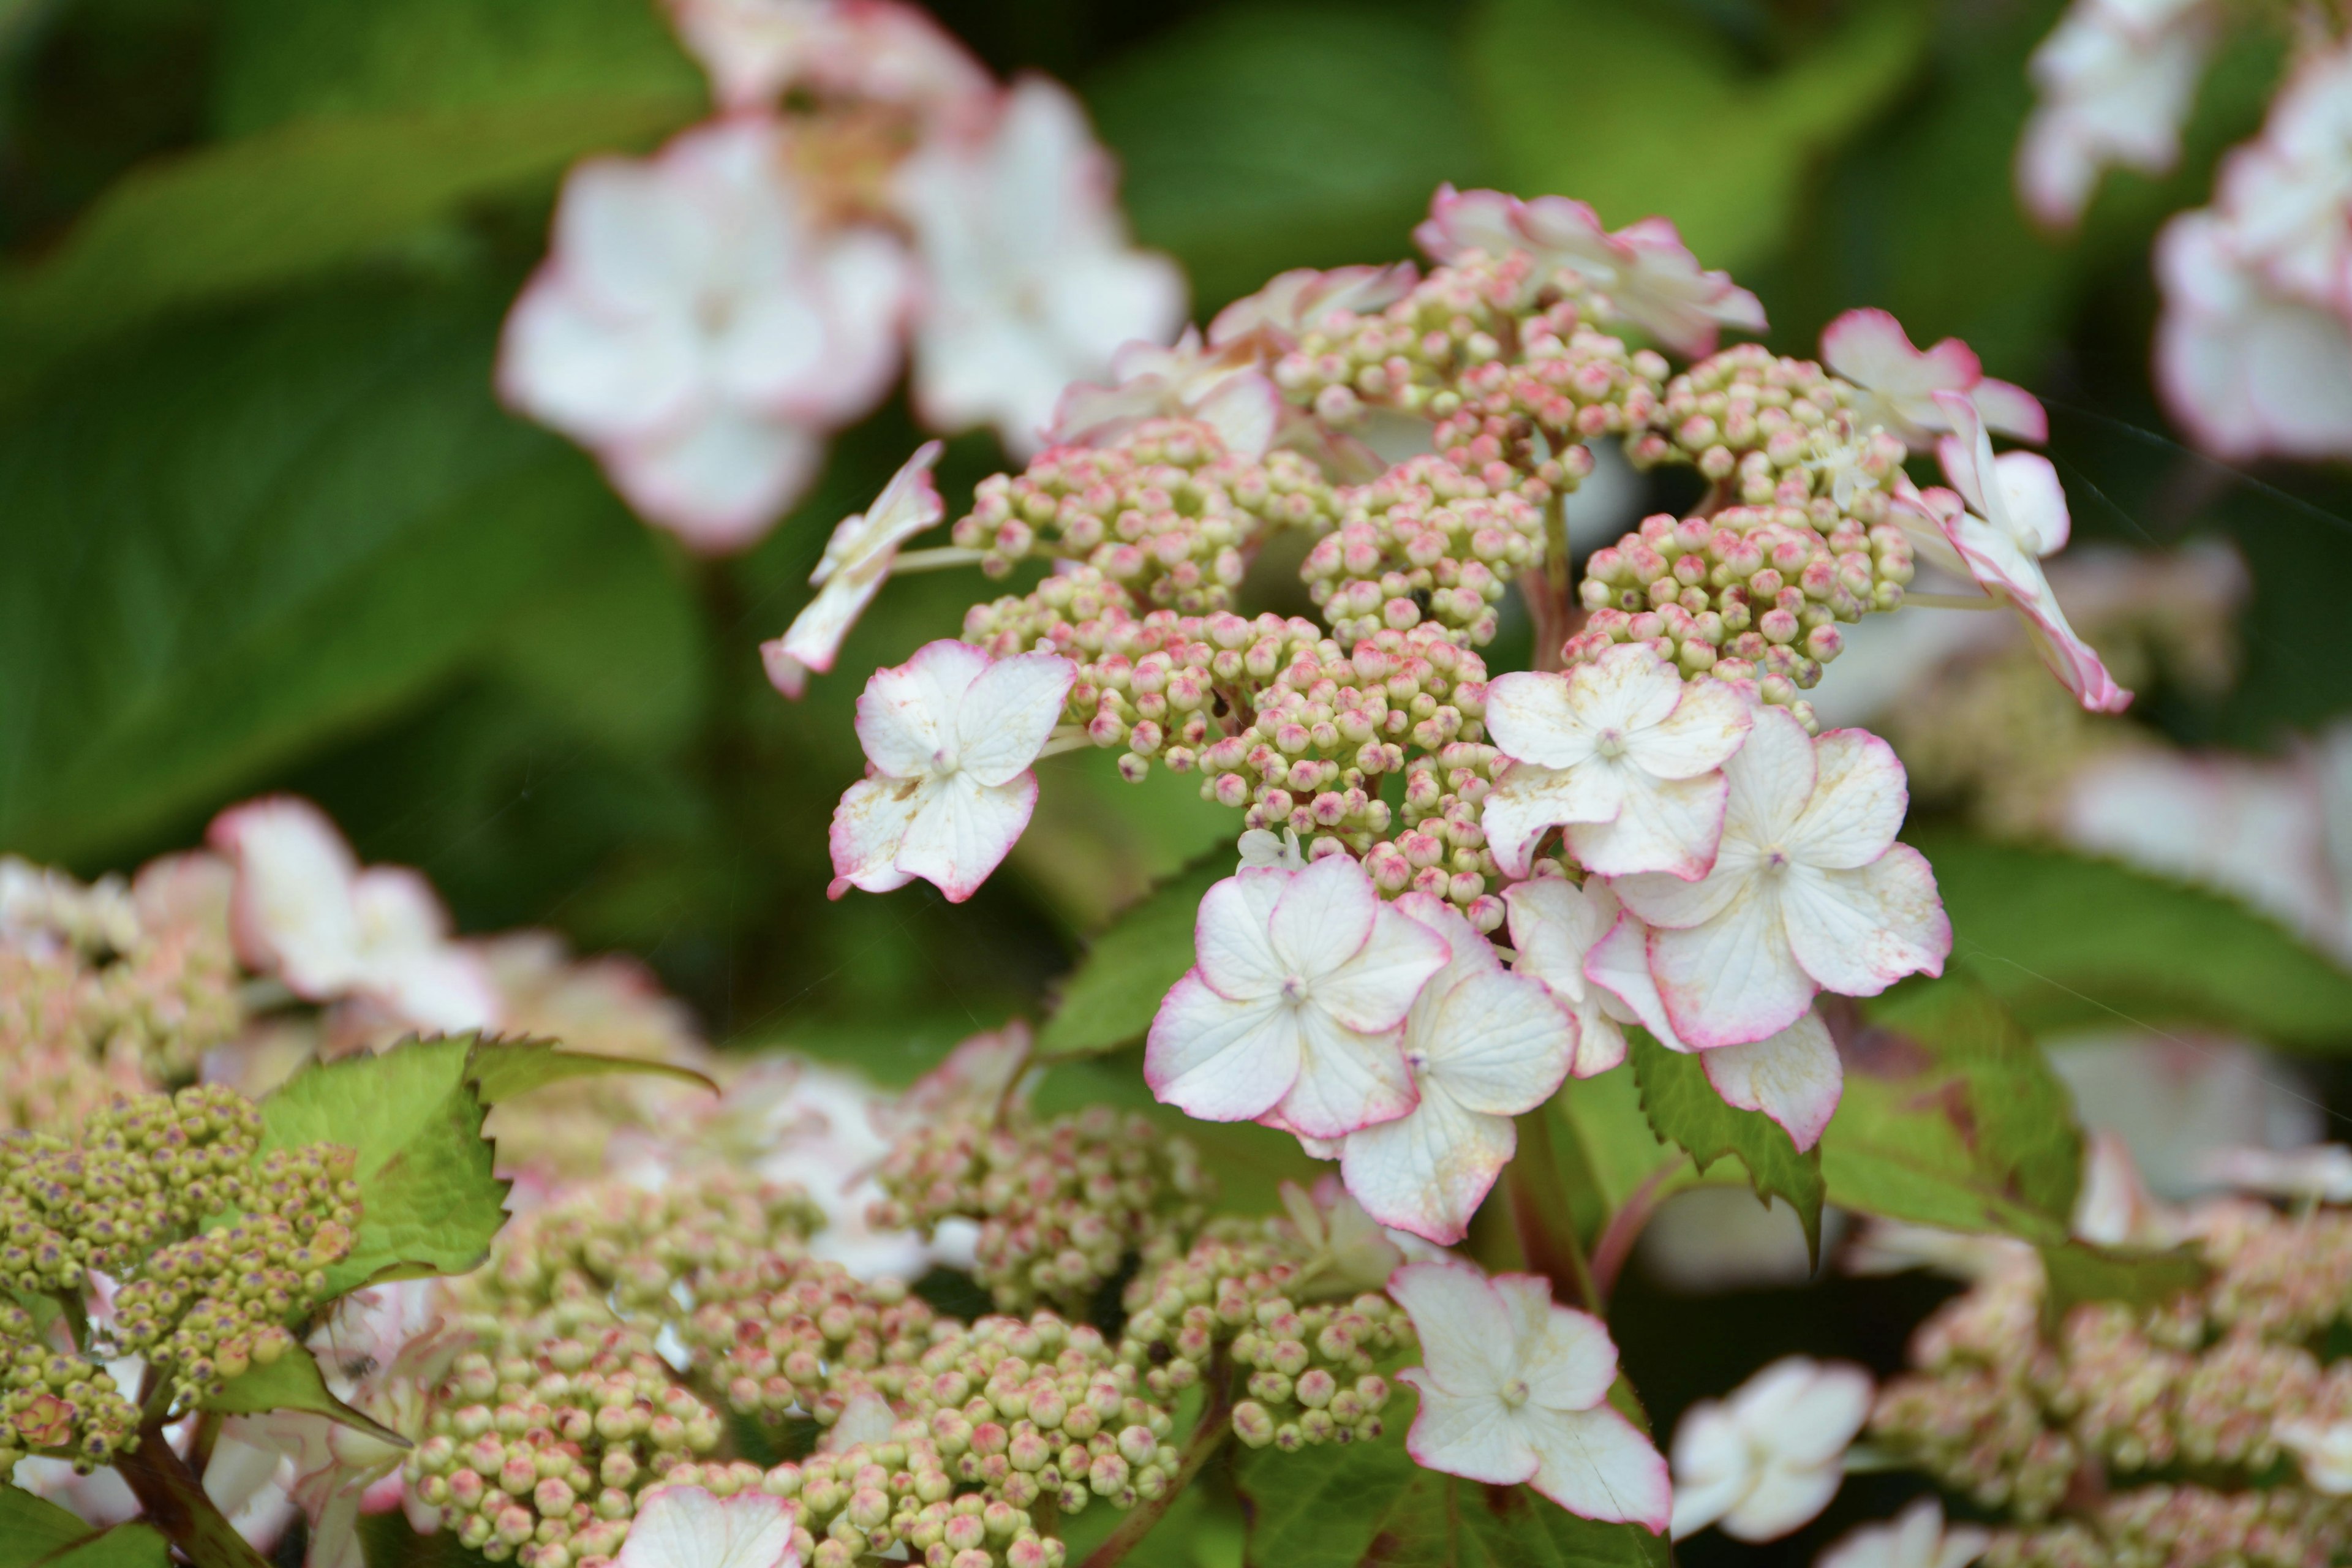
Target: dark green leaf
[
  {"x": 1643, "y": 130},
  {"x": 2140, "y": 1277},
  {"x": 37, "y": 1533},
  {"x": 2065, "y": 940},
  {"x": 501, "y": 1070},
  {"x": 293, "y": 1382},
  {"x": 1683, "y": 1109},
  {"x": 1952, "y": 1118},
  {"x": 251, "y": 535},
  {"x": 1110, "y": 998},
  {"x": 1368, "y": 1503},
  {"x": 429, "y": 1202}
]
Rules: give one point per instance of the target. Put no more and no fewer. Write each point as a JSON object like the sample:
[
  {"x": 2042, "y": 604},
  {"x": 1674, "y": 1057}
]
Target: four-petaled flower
[
  {"x": 686, "y": 1527},
  {"x": 699, "y": 327},
  {"x": 1766, "y": 1459},
  {"x": 1296, "y": 1005},
  {"x": 302, "y": 910},
  {"x": 1810, "y": 891},
  {"x": 2115, "y": 82},
  {"x": 857, "y": 559},
  {"x": 949, "y": 736},
  {"x": 1514, "y": 1388},
  {"x": 1915, "y": 1537},
  {"x": 1622, "y": 751},
  {"x": 1030, "y": 282},
  {"x": 1870, "y": 349},
  {"x": 1483, "y": 1045}
]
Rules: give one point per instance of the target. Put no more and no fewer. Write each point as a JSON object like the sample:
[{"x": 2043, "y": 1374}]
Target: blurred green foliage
[{"x": 263, "y": 524}]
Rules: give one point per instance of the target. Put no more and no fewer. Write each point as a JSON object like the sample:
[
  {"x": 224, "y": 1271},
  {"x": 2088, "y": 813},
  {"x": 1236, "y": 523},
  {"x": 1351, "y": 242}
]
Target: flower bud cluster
[
  {"x": 1061, "y": 1205},
  {"x": 1413, "y": 355},
  {"x": 872, "y": 1499},
  {"x": 1752, "y": 593},
  {"x": 1425, "y": 541},
  {"x": 57, "y": 1404},
  {"x": 1569, "y": 383},
  {"x": 1441, "y": 850},
  {"x": 1776, "y": 430},
  {"x": 785, "y": 1335},
  {"x": 1166, "y": 513},
  {"x": 2187, "y": 1526},
  {"x": 541, "y": 1457}
]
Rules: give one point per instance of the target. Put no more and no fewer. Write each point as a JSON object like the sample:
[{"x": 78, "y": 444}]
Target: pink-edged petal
[
  {"x": 1538, "y": 718},
  {"x": 1375, "y": 988},
  {"x": 1554, "y": 923},
  {"x": 1600, "y": 1040},
  {"x": 1667, "y": 900},
  {"x": 2034, "y": 502},
  {"x": 1772, "y": 779},
  {"x": 1812, "y": 1411},
  {"x": 2011, "y": 410},
  {"x": 1428, "y": 1171},
  {"x": 686, "y": 1527},
  {"x": 1628, "y": 689},
  {"x": 1698, "y": 735},
  {"x": 1531, "y": 800},
  {"x": 1565, "y": 1356},
  {"x": 1009, "y": 711},
  {"x": 1663, "y": 290},
  {"x": 1501, "y": 1045},
  {"x": 1859, "y": 799},
  {"x": 1667, "y": 825},
  {"x": 813, "y": 639},
  {"x": 1619, "y": 966},
  {"x": 1733, "y": 979},
  {"x": 785, "y": 669},
  {"x": 869, "y": 827},
  {"x": 1220, "y": 1060},
  {"x": 1714, "y": 1466},
  {"x": 1461, "y": 221},
  {"x": 1794, "y": 1077},
  {"x": 1471, "y": 952},
  {"x": 1458, "y": 1434},
  {"x": 444, "y": 988},
  {"x": 1466, "y": 1340},
  {"x": 1784, "y": 1500},
  {"x": 1598, "y": 1464},
  {"x": 1869, "y": 347},
  {"x": 1236, "y": 956},
  {"x": 1246, "y": 412},
  {"x": 720, "y": 479},
  {"x": 1323, "y": 920},
  {"x": 964, "y": 830},
  {"x": 1347, "y": 1079},
  {"x": 1859, "y": 932},
  {"x": 907, "y": 715}
]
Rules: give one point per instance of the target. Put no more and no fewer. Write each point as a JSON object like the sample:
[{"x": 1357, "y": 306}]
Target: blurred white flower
[
  {"x": 1767, "y": 1458},
  {"x": 2247, "y": 367},
  {"x": 2116, "y": 79},
  {"x": 878, "y": 50},
  {"x": 2319, "y": 1173},
  {"x": 856, "y": 562},
  {"x": 1915, "y": 1537},
  {"x": 686, "y": 1527},
  {"x": 699, "y": 328},
  {"x": 1030, "y": 281},
  {"x": 2322, "y": 1450},
  {"x": 1555, "y": 923}
]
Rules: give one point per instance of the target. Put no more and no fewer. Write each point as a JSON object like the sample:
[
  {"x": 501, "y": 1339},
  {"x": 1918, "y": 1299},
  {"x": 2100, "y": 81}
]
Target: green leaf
[
  {"x": 1368, "y": 1503},
  {"x": 293, "y": 1382},
  {"x": 1630, "y": 108},
  {"x": 37, "y": 1533},
  {"x": 429, "y": 1202},
  {"x": 2141, "y": 1277},
  {"x": 1683, "y": 1109},
  {"x": 2064, "y": 940},
  {"x": 1267, "y": 136},
  {"x": 252, "y": 534},
  {"x": 237, "y": 218},
  {"x": 1951, "y": 1117},
  {"x": 1110, "y": 998},
  {"x": 501, "y": 1070}
]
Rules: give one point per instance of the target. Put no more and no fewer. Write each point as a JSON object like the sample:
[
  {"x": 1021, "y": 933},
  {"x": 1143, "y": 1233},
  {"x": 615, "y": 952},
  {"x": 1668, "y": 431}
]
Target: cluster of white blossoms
[
  {"x": 2253, "y": 351},
  {"x": 707, "y": 316}
]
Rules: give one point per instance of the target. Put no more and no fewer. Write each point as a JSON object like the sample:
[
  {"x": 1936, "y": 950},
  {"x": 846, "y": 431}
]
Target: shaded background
[{"x": 263, "y": 525}]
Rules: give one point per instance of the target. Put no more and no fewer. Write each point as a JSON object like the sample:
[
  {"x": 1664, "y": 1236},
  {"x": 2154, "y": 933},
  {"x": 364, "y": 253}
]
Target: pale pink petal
[
  {"x": 1220, "y": 1060},
  {"x": 869, "y": 827},
  {"x": 1700, "y": 732},
  {"x": 1467, "y": 1342},
  {"x": 1794, "y": 1077},
  {"x": 686, "y": 1527},
  {"x": 1858, "y": 802},
  {"x": 1458, "y": 1434},
  {"x": 813, "y": 639},
  {"x": 1008, "y": 713},
  {"x": 1859, "y": 932},
  {"x": 1619, "y": 966},
  {"x": 1714, "y": 1466},
  {"x": 720, "y": 478},
  {"x": 291, "y": 909},
  {"x": 2011, "y": 410},
  {"x": 1323, "y": 920},
  {"x": 1667, "y": 900},
  {"x": 1235, "y": 955},
  {"x": 1347, "y": 1080},
  {"x": 442, "y": 988},
  {"x": 1666, "y": 292},
  {"x": 1471, "y": 955},
  {"x": 1669, "y": 826},
  {"x": 595, "y": 376},
  {"x": 907, "y": 714},
  {"x": 1374, "y": 989},
  {"x": 1598, "y": 1464},
  {"x": 2032, "y": 501},
  {"x": 964, "y": 830},
  {"x": 1536, "y": 718},
  {"x": 1733, "y": 979},
  {"x": 1428, "y": 1171},
  {"x": 1529, "y": 800}
]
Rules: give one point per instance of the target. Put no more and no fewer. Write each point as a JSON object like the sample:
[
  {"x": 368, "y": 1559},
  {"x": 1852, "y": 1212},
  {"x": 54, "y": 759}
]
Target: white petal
[
  {"x": 1733, "y": 979},
  {"x": 1567, "y": 1360},
  {"x": 291, "y": 909},
  {"x": 1428, "y": 1171},
  {"x": 1858, "y": 802},
  {"x": 1783, "y": 1499},
  {"x": 596, "y": 375},
  {"x": 1009, "y": 711},
  {"x": 1375, "y": 988},
  {"x": 1347, "y": 1079},
  {"x": 1629, "y": 688},
  {"x": 1229, "y": 936},
  {"x": 1597, "y": 1465},
  {"x": 907, "y": 715},
  {"x": 1554, "y": 923},
  {"x": 1220, "y": 1060},
  {"x": 1794, "y": 1077},
  {"x": 1704, "y": 728},
  {"x": 441, "y": 988},
  {"x": 813, "y": 639},
  {"x": 2032, "y": 501},
  {"x": 1809, "y": 1410},
  {"x": 1619, "y": 969},
  {"x": 1668, "y": 826},
  {"x": 1465, "y": 1434},
  {"x": 868, "y": 825},
  {"x": 963, "y": 830},
  {"x": 1714, "y": 1466},
  {"x": 719, "y": 478},
  {"x": 1323, "y": 919},
  {"x": 1857, "y": 933},
  {"x": 1773, "y": 780},
  {"x": 1501, "y": 1045},
  {"x": 1534, "y": 717},
  {"x": 1466, "y": 1340},
  {"x": 686, "y": 1527},
  {"x": 1529, "y": 800}
]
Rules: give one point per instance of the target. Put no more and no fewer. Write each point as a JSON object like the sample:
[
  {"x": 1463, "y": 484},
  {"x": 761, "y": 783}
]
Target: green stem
[
  {"x": 1543, "y": 1218},
  {"x": 1615, "y": 1242},
  {"x": 175, "y": 1502},
  {"x": 1209, "y": 1435}
]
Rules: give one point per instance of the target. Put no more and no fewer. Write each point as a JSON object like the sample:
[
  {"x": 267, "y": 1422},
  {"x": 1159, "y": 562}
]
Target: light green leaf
[
  {"x": 1952, "y": 1118},
  {"x": 1643, "y": 109},
  {"x": 37, "y": 1533},
  {"x": 2065, "y": 940},
  {"x": 1110, "y": 998},
  {"x": 1267, "y": 136},
  {"x": 240, "y": 216},
  {"x": 1685, "y": 1110},
  {"x": 429, "y": 1202},
  {"x": 293, "y": 1382},
  {"x": 501, "y": 1070},
  {"x": 2140, "y": 1277},
  {"x": 1368, "y": 1503},
  {"x": 253, "y": 535}
]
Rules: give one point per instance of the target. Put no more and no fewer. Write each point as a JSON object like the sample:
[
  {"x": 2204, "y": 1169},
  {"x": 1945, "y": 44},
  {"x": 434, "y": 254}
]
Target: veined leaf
[
  {"x": 293, "y": 1382},
  {"x": 1112, "y": 996},
  {"x": 37, "y": 1533},
  {"x": 1685, "y": 1110},
  {"x": 501, "y": 1070}
]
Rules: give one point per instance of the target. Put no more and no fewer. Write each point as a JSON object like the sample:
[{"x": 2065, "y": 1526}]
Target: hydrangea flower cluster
[
  {"x": 707, "y": 317},
  {"x": 2211, "y": 1426}
]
